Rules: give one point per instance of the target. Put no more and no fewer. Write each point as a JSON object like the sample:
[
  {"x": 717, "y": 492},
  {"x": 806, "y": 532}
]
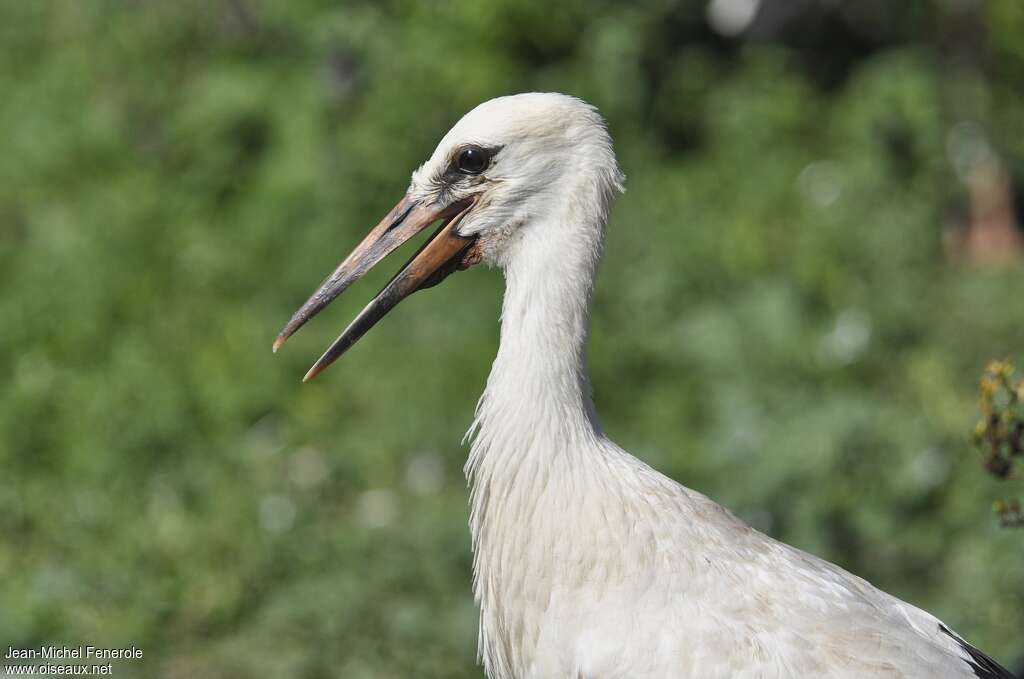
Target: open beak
[{"x": 444, "y": 253}]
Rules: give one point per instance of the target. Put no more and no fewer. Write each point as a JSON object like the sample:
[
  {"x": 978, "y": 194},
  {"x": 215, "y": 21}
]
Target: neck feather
[
  {"x": 534, "y": 427},
  {"x": 536, "y": 438},
  {"x": 538, "y": 396}
]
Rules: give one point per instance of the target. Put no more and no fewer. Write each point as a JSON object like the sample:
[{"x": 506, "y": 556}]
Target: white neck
[
  {"x": 538, "y": 392},
  {"x": 540, "y": 372},
  {"x": 535, "y": 425}
]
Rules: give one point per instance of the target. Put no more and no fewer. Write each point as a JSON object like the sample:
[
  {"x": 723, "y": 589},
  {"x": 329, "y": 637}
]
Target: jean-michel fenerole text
[{"x": 67, "y": 652}]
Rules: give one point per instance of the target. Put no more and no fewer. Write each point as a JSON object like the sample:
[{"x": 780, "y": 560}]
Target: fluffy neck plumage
[
  {"x": 538, "y": 391},
  {"x": 535, "y": 433},
  {"x": 537, "y": 401},
  {"x": 539, "y": 377}
]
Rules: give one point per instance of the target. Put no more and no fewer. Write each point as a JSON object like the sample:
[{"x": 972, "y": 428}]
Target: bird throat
[{"x": 534, "y": 428}]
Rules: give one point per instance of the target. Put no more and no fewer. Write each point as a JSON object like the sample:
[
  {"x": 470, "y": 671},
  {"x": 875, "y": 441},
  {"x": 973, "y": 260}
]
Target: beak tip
[{"x": 435, "y": 259}]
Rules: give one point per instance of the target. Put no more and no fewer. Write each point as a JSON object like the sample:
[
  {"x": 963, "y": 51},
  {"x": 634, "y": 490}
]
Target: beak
[{"x": 440, "y": 256}]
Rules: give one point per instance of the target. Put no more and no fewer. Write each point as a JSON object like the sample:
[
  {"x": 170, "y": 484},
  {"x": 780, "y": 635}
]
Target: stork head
[{"x": 504, "y": 166}]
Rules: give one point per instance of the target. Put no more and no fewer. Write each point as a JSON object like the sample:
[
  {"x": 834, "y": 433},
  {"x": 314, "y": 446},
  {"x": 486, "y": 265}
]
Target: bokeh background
[{"x": 818, "y": 251}]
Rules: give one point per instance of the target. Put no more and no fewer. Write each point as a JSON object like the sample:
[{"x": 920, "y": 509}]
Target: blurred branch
[{"x": 990, "y": 233}]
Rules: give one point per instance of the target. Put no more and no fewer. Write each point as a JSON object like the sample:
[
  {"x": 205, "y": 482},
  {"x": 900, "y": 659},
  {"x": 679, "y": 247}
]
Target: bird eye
[{"x": 472, "y": 160}]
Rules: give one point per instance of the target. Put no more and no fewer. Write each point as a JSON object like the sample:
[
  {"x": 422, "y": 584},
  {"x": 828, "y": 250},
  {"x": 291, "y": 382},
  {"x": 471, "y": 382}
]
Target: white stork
[{"x": 588, "y": 564}]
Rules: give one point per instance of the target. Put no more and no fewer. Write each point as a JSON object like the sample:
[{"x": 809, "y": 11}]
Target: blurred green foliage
[{"x": 777, "y": 321}]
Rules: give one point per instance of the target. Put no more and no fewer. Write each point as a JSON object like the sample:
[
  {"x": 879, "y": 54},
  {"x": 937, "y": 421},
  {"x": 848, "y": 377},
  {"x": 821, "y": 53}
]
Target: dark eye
[{"x": 472, "y": 160}]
